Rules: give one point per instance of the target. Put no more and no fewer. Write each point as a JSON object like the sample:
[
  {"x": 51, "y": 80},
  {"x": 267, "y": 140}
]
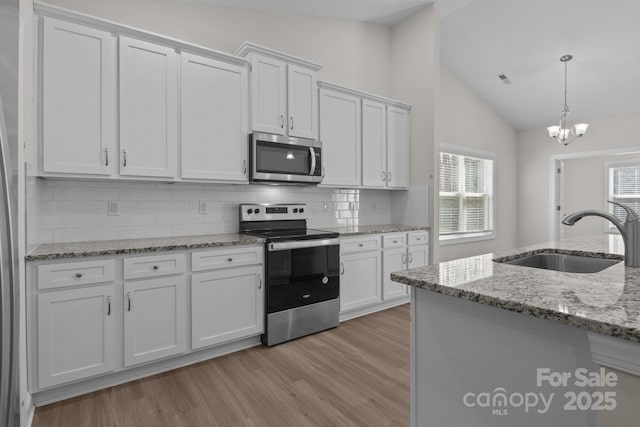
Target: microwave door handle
[{"x": 312, "y": 153}]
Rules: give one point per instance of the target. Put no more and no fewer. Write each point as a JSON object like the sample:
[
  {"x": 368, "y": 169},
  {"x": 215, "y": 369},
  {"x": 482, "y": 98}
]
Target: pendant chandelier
[{"x": 565, "y": 132}]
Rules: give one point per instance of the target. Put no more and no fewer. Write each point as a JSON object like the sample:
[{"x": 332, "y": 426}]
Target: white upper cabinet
[
  {"x": 303, "y": 102},
  {"x": 148, "y": 109},
  {"x": 78, "y": 99},
  {"x": 268, "y": 95},
  {"x": 340, "y": 135},
  {"x": 215, "y": 121},
  {"x": 374, "y": 144},
  {"x": 397, "y": 147},
  {"x": 284, "y": 92}
]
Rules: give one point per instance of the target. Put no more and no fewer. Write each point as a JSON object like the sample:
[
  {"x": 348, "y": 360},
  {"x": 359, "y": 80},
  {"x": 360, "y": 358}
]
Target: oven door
[
  {"x": 300, "y": 273},
  {"x": 276, "y": 158}
]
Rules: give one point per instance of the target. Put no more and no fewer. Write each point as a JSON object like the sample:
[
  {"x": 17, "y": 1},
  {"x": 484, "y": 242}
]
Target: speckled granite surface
[
  {"x": 374, "y": 229},
  {"x": 607, "y": 302},
  {"x": 128, "y": 246}
]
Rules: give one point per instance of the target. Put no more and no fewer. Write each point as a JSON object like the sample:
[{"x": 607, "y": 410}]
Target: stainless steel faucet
[{"x": 630, "y": 230}]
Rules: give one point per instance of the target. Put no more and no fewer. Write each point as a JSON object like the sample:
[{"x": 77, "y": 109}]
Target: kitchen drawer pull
[
  {"x": 109, "y": 306},
  {"x": 281, "y": 121},
  {"x": 129, "y": 301},
  {"x": 78, "y": 275},
  {"x": 244, "y": 167},
  {"x": 404, "y": 259},
  {"x": 390, "y": 176},
  {"x": 106, "y": 157},
  {"x": 291, "y": 118},
  {"x": 155, "y": 267},
  {"x": 342, "y": 265},
  {"x": 124, "y": 158},
  {"x": 259, "y": 281},
  {"x": 384, "y": 176},
  {"x": 410, "y": 258}
]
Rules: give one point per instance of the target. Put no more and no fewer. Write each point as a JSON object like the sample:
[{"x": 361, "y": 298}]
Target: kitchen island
[{"x": 495, "y": 344}]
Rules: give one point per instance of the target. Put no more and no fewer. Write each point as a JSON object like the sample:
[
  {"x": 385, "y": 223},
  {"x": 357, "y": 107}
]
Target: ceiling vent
[{"x": 504, "y": 79}]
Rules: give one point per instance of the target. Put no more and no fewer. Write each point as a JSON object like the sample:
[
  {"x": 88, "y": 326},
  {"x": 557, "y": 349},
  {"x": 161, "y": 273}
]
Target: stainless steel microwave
[{"x": 277, "y": 159}]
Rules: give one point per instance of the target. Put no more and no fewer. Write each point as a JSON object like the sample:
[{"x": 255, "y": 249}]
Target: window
[
  {"x": 466, "y": 195},
  {"x": 624, "y": 187}
]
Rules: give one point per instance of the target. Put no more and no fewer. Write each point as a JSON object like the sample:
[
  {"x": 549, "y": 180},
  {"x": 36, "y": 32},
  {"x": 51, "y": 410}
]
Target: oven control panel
[{"x": 273, "y": 212}]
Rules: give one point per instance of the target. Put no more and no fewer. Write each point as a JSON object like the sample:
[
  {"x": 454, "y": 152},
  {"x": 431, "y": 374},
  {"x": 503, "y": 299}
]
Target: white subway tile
[
  {"x": 148, "y": 206},
  {"x": 194, "y": 229},
  {"x": 143, "y": 194},
  {"x": 83, "y": 234},
  {"x": 193, "y": 195},
  {"x": 126, "y": 220},
  {"x": 47, "y": 207},
  {"x": 92, "y": 206},
  {"x": 66, "y": 221},
  {"x": 140, "y": 231},
  {"x": 184, "y": 218},
  {"x": 44, "y": 236},
  {"x": 76, "y": 193}
]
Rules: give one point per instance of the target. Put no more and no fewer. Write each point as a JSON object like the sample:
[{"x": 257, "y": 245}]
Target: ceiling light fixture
[{"x": 566, "y": 131}]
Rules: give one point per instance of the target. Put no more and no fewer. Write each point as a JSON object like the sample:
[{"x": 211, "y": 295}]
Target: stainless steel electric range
[{"x": 301, "y": 271}]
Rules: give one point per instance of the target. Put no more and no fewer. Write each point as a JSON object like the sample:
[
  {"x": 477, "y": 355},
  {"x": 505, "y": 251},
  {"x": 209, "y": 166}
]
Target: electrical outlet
[
  {"x": 204, "y": 208},
  {"x": 325, "y": 206},
  {"x": 114, "y": 207}
]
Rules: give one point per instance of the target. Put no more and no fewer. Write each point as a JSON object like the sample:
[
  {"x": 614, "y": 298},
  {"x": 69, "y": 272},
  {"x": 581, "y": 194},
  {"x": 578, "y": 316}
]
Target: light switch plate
[{"x": 114, "y": 207}]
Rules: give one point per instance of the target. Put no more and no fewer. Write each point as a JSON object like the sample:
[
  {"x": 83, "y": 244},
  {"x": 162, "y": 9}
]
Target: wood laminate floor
[{"x": 354, "y": 375}]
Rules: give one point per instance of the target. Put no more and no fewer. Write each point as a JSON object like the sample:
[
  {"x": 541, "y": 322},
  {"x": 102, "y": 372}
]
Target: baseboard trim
[
  {"x": 29, "y": 412},
  {"x": 363, "y": 311},
  {"x": 615, "y": 353}
]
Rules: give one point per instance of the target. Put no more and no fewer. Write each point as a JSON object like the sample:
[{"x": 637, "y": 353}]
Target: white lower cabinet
[
  {"x": 360, "y": 284},
  {"x": 75, "y": 334},
  {"x": 393, "y": 260},
  {"x": 155, "y": 313},
  {"x": 226, "y": 304}
]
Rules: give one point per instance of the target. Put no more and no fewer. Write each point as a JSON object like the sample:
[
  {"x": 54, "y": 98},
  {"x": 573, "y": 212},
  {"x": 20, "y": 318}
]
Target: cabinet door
[
  {"x": 78, "y": 99},
  {"x": 155, "y": 312},
  {"x": 418, "y": 256},
  {"x": 75, "y": 334},
  {"x": 360, "y": 280},
  {"x": 374, "y": 144},
  {"x": 226, "y": 305},
  {"x": 303, "y": 102},
  {"x": 340, "y": 135},
  {"x": 393, "y": 260},
  {"x": 268, "y": 95},
  {"x": 214, "y": 119},
  {"x": 148, "y": 109},
  {"x": 397, "y": 147}
]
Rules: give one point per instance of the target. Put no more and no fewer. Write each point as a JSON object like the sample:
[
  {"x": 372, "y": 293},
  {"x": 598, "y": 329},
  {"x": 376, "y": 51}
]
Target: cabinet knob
[
  {"x": 395, "y": 241},
  {"x": 155, "y": 267},
  {"x": 230, "y": 259},
  {"x": 361, "y": 245},
  {"x": 78, "y": 275}
]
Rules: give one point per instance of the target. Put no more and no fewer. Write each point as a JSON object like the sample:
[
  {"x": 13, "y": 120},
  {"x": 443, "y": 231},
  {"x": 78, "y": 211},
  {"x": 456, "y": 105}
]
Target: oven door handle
[
  {"x": 312, "y": 153},
  {"x": 299, "y": 244}
]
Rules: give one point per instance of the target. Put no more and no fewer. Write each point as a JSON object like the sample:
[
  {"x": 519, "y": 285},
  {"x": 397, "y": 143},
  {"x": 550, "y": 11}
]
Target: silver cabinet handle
[
  {"x": 342, "y": 272},
  {"x": 291, "y": 121},
  {"x": 244, "y": 167},
  {"x": 124, "y": 157},
  {"x": 390, "y": 176},
  {"x": 384, "y": 176},
  {"x": 410, "y": 258},
  {"x": 281, "y": 121},
  {"x": 78, "y": 275},
  {"x": 129, "y": 301},
  {"x": 404, "y": 259},
  {"x": 108, "y": 305},
  {"x": 259, "y": 281},
  {"x": 106, "y": 157}
]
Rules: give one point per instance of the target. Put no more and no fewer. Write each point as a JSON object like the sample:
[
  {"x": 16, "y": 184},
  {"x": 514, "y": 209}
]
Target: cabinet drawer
[
  {"x": 222, "y": 258},
  {"x": 154, "y": 266},
  {"x": 52, "y": 276},
  {"x": 359, "y": 244},
  {"x": 394, "y": 240},
  {"x": 419, "y": 238}
]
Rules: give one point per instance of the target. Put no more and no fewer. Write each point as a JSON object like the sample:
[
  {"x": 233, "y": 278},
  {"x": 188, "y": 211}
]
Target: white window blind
[
  {"x": 466, "y": 194},
  {"x": 624, "y": 187}
]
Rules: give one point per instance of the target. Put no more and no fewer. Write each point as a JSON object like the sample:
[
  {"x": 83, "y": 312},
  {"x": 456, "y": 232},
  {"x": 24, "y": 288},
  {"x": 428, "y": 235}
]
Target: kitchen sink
[{"x": 562, "y": 262}]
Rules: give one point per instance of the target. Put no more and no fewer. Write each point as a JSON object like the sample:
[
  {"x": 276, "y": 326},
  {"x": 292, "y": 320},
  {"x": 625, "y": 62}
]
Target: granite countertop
[
  {"x": 356, "y": 230},
  {"x": 607, "y": 302},
  {"x": 129, "y": 246}
]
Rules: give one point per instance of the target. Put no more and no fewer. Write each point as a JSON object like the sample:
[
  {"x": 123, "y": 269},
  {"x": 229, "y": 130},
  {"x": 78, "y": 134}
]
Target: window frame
[
  {"x": 609, "y": 228},
  {"x": 452, "y": 239}
]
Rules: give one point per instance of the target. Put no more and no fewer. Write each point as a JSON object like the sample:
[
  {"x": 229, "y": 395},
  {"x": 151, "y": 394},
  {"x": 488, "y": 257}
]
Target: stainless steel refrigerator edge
[{"x": 9, "y": 169}]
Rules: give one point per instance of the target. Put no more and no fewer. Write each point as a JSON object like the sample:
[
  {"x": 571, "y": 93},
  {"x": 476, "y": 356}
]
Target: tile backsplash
[{"x": 70, "y": 210}]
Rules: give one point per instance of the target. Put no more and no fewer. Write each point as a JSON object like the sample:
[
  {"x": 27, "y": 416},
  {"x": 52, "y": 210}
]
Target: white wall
[
  {"x": 585, "y": 188},
  {"x": 466, "y": 121},
  {"x": 535, "y": 149}
]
